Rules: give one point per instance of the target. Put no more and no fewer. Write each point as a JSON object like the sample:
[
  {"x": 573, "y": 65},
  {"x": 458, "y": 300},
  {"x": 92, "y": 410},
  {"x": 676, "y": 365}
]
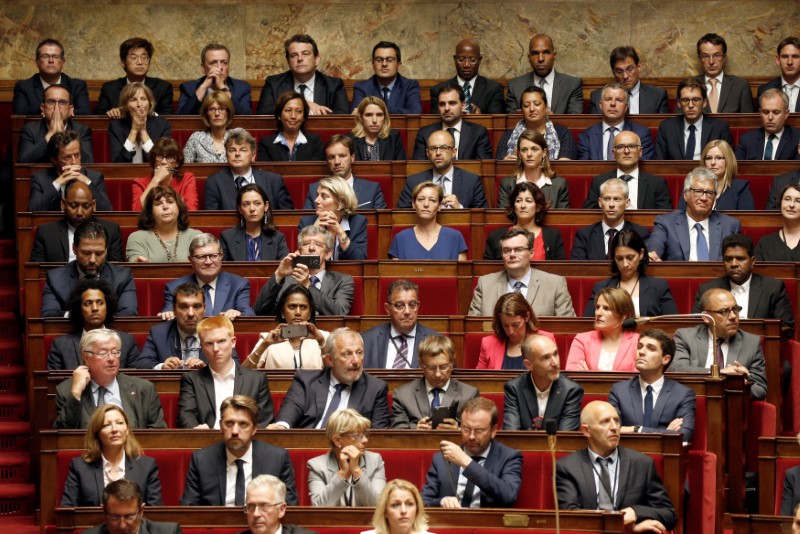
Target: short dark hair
[
  {"x": 146, "y": 220},
  {"x": 89, "y": 230},
  {"x": 75, "y": 301},
  {"x": 714, "y": 39},
  {"x": 241, "y": 402},
  {"x": 739, "y": 240},
  {"x": 58, "y": 86},
  {"x": 794, "y": 41},
  {"x": 268, "y": 226},
  {"x": 621, "y": 53},
  {"x": 61, "y": 140},
  {"x": 481, "y": 403},
  {"x": 514, "y": 232},
  {"x": 188, "y": 289},
  {"x": 340, "y": 139},
  {"x": 123, "y": 490},
  {"x": 387, "y": 44},
  {"x": 300, "y": 38},
  {"x": 134, "y": 42},
  {"x": 53, "y": 42},
  {"x": 167, "y": 147},
  {"x": 211, "y": 47},
  {"x": 631, "y": 239},
  {"x": 401, "y": 284},
  {"x": 284, "y": 99},
  {"x": 542, "y": 204},
  {"x": 665, "y": 341},
  {"x": 691, "y": 83},
  {"x": 534, "y": 89},
  {"x": 284, "y": 296},
  {"x": 451, "y": 86}
]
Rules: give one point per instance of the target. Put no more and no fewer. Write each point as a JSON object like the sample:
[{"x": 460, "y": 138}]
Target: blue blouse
[{"x": 449, "y": 245}]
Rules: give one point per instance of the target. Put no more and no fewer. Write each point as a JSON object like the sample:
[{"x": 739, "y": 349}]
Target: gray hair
[
  {"x": 771, "y": 93},
  {"x": 240, "y": 136},
  {"x": 99, "y": 335},
  {"x": 201, "y": 240},
  {"x": 330, "y": 343},
  {"x": 269, "y": 481},
  {"x": 313, "y": 230},
  {"x": 615, "y": 182},
  {"x": 700, "y": 173},
  {"x": 614, "y": 85}
]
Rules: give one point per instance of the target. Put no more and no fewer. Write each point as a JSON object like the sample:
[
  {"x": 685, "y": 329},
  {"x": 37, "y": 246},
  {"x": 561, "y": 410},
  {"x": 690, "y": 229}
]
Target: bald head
[
  {"x": 600, "y": 425},
  {"x": 542, "y": 54},
  {"x": 467, "y": 59},
  {"x": 78, "y": 204}
]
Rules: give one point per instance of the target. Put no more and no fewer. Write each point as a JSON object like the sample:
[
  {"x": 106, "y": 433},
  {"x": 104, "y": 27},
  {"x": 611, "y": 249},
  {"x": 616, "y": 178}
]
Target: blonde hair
[
  {"x": 94, "y": 449},
  {"x": 358, "y": 129},
  {"x": 342, "y": 192},
  {"x": 344, "y": 422},
  {"x": 129, "y": 91},
  {"x": 731, "y": 166},
  {"x": 212, "y": 323},
  {"x": 420, "y": 523}
]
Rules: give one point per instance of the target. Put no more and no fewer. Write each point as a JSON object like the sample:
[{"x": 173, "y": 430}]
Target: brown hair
[{"x": 513, "y": 304}]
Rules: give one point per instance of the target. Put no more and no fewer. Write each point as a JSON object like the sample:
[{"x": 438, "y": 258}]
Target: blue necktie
[
  {"x": 468, "y": 96},
  {"x": 334, "y": 405},
  {"x": 518, "y": 286},
  {"x": 690, "y": 143},
  {"x": 385, "y": 92},
  {"x": 702, "y": 244},
  {"x": 207, "y": 298},
  {"x": 768, "y": 148},
  {"x": 314, "y": 280},
  {"x": 436, "y": 402},
  {"x": 241, "y": 181},
  {"x": 647, "y": 421}
]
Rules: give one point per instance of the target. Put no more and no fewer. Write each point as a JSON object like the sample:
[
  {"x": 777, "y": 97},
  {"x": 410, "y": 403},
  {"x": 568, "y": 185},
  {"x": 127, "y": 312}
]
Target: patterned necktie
[
  {"x": 101, "y": 396},
  {"x": 191, "y": 347},
  {"x": 768, "y": 148},
  {"x": 241, "y": 181},
  {"x": 702, "y": 244},
  {"x": 713, "y": 95},
  {"x": 647, "y": 421},
  {"x": 314, "y": 280},
  {"x": 690, "y": 143},
  {"x": 604, "y": 500},
  {"x": 612, "y": 131},
  {"x": 238, "y": 499},
  {"x": 518, "y": 286},
  {"x": 468, "y": 96},
  {"x": 207, "y": 298},
  {"x": 401, "y": 358},
  {"x": 334, "y": 405}
]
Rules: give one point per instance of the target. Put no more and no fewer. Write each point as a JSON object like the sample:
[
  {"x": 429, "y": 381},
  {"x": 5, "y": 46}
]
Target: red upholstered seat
[{"x": 441, "y": 295}]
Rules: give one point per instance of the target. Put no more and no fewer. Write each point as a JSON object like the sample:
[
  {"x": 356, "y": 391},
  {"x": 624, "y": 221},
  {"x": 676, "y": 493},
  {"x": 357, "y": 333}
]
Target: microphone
[{"x": 551, "y": 427}]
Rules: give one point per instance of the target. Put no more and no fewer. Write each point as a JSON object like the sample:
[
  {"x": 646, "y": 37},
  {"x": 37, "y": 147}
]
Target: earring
[{"x": 241, "y": 221}]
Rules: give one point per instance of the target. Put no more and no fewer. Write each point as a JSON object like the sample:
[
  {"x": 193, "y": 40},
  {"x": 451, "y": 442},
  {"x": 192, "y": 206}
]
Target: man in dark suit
[
  {"x": 198, "y": 406},
  {"x": 400, "y": 93},
  {"x": 607, "y": 476},
  {"x": 265, "y": 506},
  {"x": 315, "y": 395},
  {"x": 340, "y": 155},
  {"x": 462, "y": 189},
  {"x": 775, "y": 139},
  {"x": 413, "y": 403},
  {"x": 471, "y": 139},
  {"x": 123, "y": 506},
  {"x": 332, "y": 291},
  {"x": 697, "y": 233},
  {"x": 384, "y": 343},
  {"x": 781, "y": 181},
  {"x": 50, "y": 59},
  {"x": 52, "y": 242},
  {"x": 482, "y": 95},
  {"x": 737, "y": 352},
  {"x": 625, "y": 66},
  {"x": 465, "y": 476},
  {"x": 759, "y": 296},
  {"x": 56, "y": 111},
  {"x": 564, "y": 92},
  {"x": 726, "y": 93},
  {"x": 227, "y": 294},
  {"x": 592, "y": 242},
  {"x": 788, "y": 59},
  {"x": 98, "y": 381},
  {"x": 90, "y": 249},
  {"x": 324, "y": 94},
  {"x": 651, "y": 402},
  {"x": 683, "y": 138},
  {"x": 651, "y": 191},
  {"x": 597, "y": 141},
  {"x": 47, "y": 186},
  {"x": 215, "y": 63},
  {"x": 236, "y": 460},
  {"x": 223, "y": 186},
  {"x": 542, "y": 393},
  {"x": 135, "y": 55}
]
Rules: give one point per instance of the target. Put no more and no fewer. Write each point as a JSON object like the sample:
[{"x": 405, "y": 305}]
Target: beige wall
[{"x": 665, "y": 33}]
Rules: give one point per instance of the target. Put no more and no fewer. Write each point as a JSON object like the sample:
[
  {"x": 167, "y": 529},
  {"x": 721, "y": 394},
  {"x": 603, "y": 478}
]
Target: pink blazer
[
  {"x": 493, "y": 351},
  {"x": 586, "y": 347}
]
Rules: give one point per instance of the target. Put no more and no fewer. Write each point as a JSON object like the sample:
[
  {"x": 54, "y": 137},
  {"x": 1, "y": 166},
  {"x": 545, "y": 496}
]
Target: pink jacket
[
  {"x": 586, "y": 347},
  {"x": 493, "y": 351}
]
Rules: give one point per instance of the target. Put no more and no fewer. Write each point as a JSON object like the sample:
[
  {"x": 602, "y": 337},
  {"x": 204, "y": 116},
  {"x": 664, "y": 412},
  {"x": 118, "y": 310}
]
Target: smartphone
[
  {"x": 311, "y": 261},
  {"x": 291, "y": 331},
  {"x": 439, "y": 414}
]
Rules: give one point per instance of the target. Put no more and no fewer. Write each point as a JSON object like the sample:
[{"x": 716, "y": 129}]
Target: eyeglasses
[
  {"x": 253, "y": 507},
  {"x": 703, "y": 192},
  {"x": 627, "y": 70},
  {"x": 464, "y": 59},
  {"x": 686, "y": 101},
  {"x": 626, "y": 148},
  {"x": 144, "y": 60},
  {"x": 477, "y": 431},
  {"x": 441, "y": 368},
  {"x": 48, "y": 57},
  {"x": 205, "y": 257},
  {"x": 715, "y": 57},
  {"x": 442, "y": 148},
  {"x": 358, "y": 436},
  {"x": 53, "y": 103},
  {"x": 104, "y": 353},
  {"x": 387, "y": 60},
  {"x": 400, "y": 306},
  {"x": 727, "y": 311},
  {"x": 118, "y": 518},
  {"x": 516, "y": 251}
]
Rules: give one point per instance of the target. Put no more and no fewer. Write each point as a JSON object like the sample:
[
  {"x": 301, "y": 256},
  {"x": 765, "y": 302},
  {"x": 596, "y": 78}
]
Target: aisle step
[
  {"x": 12, "y": 379},
  {"x": 8, "y": 293},
  {"x": 10, "y": 351},
  {"x": 9, "y": 327},
  {"x": 17, "y": 499},
  {"x": 8, "y": 249},
  {"x": 12, "y": 406},
  {"x": 14, "y": 467}
]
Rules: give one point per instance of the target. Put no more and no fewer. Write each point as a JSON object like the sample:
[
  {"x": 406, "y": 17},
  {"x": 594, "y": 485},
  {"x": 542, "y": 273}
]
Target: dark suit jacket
[
  {"x": 45, "y": 197},
  {"x": 653, "y": 192},
  {"x": 652, "y": 99},
  {"x": 328, "y": 92},
  {"x": 654, "y": 296},
  {"x": 188, "y": 104},
  {"x": 775, "y": 83},
  {"x": 196, "y": 404},
  {"x": 389, "y": 149},
  {"x": 162, "y": 342},
  {"x": 234, "y": 245},
  {"x": 404, "y": 98},
  {"x": 33, "y": 146},
  {"x": 670, "y": 236},
  {"x": 62, "y": 280},
  {"x": 29, "y": 95},
  {"x": 567, "y": 93},
  {"x": 791, "y": 490},
  {"x": 674, "y": 401},
  {"x": 65, "y": 351},
  {"x": 670, "y": 143},
  {"x": 520, "y": 406},
  {"x": 591, "y": 146},
  {"x": 638, "y": 486},
  {"x": 51, "y": 241},
  {"x": 268, "y": 150},
  {"x": 109, "y": 95},
  {"x": 288, "y": 529},
  {"x": 734, "y": 96},
  {"x": 335, "y": 297},
  {"x": 751, "y": 144},
  {"x": 85, "y": 485},
  {"x": 368, "y": 194},
  {"x": 304, "y": 404},
  {"x": 232, "y": 293},
  {"x": 556, "y": 192},
  {"x": 119, "y": 130},
  {"x": 781, "y": 181},
  {"x": 376, "y": 345},
  {"x": 736, "y": 197},
  {"x": 410, "y": 402},
  {"x": 498, "y": 479},
  {"x": 139, "y": 400},
  {"x": 589, "y": 242},
  {"x": 220, "y": 192},
  {"x": 553, "y": 244},
  {"x": 466, "y": 186},
  {"x": 768, "y": 299},
  {"x": 206, "y": 481},
  {"x": 145, "y": 527},
  {"x": 474, "y": 142},
  {"x": 486, "y": 94},
  {"x": 357, "y": 234}
]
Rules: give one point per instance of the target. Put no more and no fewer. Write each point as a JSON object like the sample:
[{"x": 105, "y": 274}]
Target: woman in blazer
[
  {"x": 256, "y": 238},
  {"x": 166, "y": 160},
  {"x": 533, "y": 165},
  {"x": 732, "y": 193},
  {"x": 292, "y": 142},
  {"x": 608, "y": 347},
  {"x": 132, "y": 137},
  {"x": 348, "y": 475},
  {"x": 110, "y": 439},
  {"x": 372, "y": 135},
  {"x": 651, "y": 296},
  {"x": 336, "y": 205}
]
